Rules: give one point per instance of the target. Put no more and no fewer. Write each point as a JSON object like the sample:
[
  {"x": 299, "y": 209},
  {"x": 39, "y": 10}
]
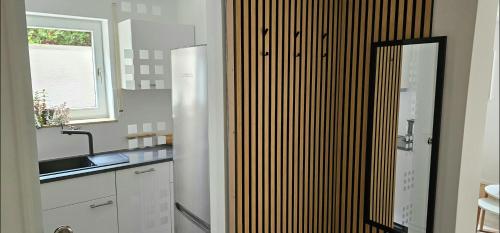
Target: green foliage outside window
[{"x": 59, "y": 37}]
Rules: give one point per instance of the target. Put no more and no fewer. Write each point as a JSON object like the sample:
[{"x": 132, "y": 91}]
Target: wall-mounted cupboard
[{"x": 145, "y": 52}]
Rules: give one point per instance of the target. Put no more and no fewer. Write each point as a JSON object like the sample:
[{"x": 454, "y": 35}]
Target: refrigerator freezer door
[{"x": 189, "y": 101}]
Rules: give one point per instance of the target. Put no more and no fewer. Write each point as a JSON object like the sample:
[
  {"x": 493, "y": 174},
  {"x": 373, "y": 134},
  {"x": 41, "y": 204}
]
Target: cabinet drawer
[
  {"x": 76, "y": 190},
  {"x": 88, "y": 217}
]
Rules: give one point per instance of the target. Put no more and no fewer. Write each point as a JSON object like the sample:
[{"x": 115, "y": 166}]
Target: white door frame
[
  {"x": 21, "y": 210},
  {"x": 20, "y": 193},
  {"x": 217, "y": 114}
]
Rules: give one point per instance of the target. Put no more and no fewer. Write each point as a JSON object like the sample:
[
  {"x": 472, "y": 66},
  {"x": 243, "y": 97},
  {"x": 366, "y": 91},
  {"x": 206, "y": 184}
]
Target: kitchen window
[{"x": 68, "y": 68}]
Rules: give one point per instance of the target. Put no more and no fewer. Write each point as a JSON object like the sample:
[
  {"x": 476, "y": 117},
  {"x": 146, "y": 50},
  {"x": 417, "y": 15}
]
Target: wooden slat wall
[
  {"x": 297, "y": 100},
  {"x": 385, "y": 126}
]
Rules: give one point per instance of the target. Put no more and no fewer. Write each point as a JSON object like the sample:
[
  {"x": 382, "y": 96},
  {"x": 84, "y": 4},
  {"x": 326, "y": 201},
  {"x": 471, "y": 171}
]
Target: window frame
[{"x": 96, "y": 27}]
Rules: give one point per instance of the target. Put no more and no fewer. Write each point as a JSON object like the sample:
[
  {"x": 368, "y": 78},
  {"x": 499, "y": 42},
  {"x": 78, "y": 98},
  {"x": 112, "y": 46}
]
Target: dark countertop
[{"x": 137, "y": 157}]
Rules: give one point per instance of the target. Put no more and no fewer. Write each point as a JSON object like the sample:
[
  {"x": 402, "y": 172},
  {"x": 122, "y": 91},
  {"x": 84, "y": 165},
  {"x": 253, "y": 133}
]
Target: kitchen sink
[
  {"x": 64, "y": 164},
  {"x": 80, "y": 163},
  {"x": 108, "y": 159}
]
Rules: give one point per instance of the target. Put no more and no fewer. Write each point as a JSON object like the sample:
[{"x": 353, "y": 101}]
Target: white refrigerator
[{"x": 190, "y": 115}]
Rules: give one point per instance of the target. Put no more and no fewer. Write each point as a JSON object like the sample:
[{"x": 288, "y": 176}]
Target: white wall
[
  {"x": 490, "y": 152},
  {"x": 194, "y": 12},
  {"x": 490, "y": 155},
  {"x": 476, "y": 113},
  {"x": 140, "y": 106},
  {"x": 455, "y": 19},
  {"x": 465, "y": 95}
]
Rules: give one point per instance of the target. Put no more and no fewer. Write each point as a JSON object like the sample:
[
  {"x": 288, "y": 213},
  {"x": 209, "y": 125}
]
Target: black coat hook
[
  {"x": 297, "y": 55},
  {"x": 297, "y": 33},
  {"x": 265, "y": 54},
  {"x": 324, "y": 54},
  {"x": 325, "y": 35},
  {"x": 265, "y": 30}
]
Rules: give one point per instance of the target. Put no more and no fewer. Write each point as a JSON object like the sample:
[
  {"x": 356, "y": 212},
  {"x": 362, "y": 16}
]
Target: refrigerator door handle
[{"x": 204, "y": 226}]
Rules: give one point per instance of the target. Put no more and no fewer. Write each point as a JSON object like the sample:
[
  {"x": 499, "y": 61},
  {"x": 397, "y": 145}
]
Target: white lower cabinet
[
  {"x": 145, "y": 198},
  {"x": 135, "y": 200},
  {"x": 93, "y": 216}
]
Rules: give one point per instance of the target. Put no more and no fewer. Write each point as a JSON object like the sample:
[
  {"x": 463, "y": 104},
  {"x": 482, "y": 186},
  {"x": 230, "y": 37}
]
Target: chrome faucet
[
  {"x": 406, "y": 142},
  {"x": 74, "y": 130},
  {"x": 409, "y": 131}
]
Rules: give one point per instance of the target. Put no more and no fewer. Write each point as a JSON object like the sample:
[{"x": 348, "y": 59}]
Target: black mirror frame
[{"x": 436, "y": 128}]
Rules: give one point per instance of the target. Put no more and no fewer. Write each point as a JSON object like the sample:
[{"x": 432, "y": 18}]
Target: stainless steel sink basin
[
  {"x": 108, "y": 159},
  {"x": 65, "y": 164},
  {"x": 80, "y": 162}
]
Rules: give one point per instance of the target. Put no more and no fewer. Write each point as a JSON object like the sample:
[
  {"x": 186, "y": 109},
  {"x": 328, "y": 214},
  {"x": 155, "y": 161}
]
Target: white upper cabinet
[{"x": 145, "y": 52}]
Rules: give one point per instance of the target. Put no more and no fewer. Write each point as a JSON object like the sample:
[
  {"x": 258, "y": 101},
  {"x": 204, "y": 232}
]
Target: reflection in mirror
[
  {"x": 416, "y": 108},
  {"x": 405, "y": 80}
]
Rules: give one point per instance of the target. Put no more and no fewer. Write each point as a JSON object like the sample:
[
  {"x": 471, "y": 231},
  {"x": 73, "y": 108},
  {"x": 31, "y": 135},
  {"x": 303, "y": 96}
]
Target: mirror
[{"x": 404, "y": 119}]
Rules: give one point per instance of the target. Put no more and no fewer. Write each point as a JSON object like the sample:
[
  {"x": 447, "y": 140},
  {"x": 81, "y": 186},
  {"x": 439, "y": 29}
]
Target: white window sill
[
  {"x": 85, "y": 122},
  {"x": 92, "y": 121}
]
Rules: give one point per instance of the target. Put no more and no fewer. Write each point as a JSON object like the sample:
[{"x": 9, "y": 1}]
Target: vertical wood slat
[
  {"x": 259, "y": 28},
  {"x": 300, "y": 34},
  {"x": 332, "y": 36},
  {"x": 307, "y": 110},
  {"x": 363, "y": 138},
  {"x": 317, "y": 121},
  {"x": 266, "y": 126},
  {"x": 400, "y": 19},
  {"x": 286, "y": 106},
  {"x": 253, "y": 113},
  {"x": 341, "y": 135},
  {"x": 246, "y": 131},
  {"x": 291, "y": 114},
  {"x": 427, "y": 18},
  {"x": 230, "y": 106},
  {"x": 327, "y": 73},
  {"x": 393, "y": 10},
  {"x": 409, "y": 18},
  {"x": 238, "y": 73},
  {"x": 273, "y": 67},
  {"x": 337, "y": 169},
  {"x": 417, "y": 19},
  {"x": 279, "y": 113},
  {"x": 313, "y": 114},
  {"x": 297, "y": 114}
]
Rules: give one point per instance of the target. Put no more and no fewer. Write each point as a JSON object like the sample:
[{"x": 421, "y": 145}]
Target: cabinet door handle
[
  {"x": 145, "y": 171},
  {"x": 102, "y": 204}
]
